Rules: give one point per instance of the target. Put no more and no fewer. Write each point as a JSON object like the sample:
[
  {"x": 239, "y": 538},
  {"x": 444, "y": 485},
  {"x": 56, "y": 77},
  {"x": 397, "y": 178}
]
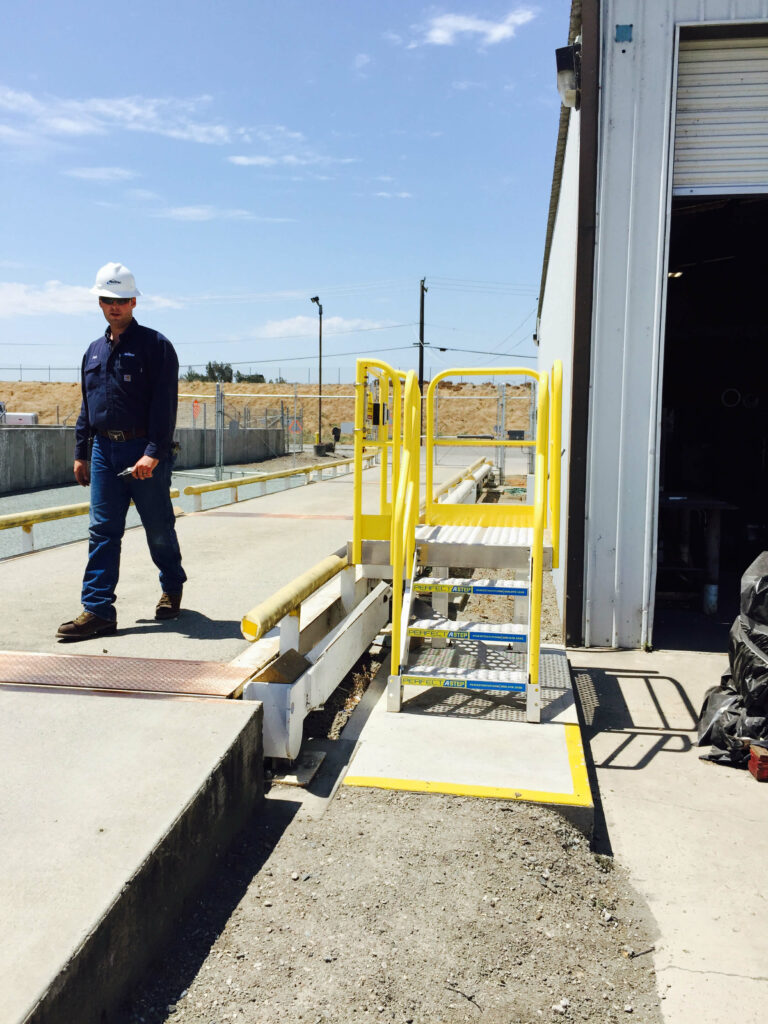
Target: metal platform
[
  {"x": 495, "y": 547},
  {"x": 475, "y": 547},
  {"x": 133, "y": 675},
  {"x": 457, "y": 741}
]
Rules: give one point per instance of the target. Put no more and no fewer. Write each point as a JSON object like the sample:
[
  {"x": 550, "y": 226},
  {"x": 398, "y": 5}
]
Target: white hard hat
[{"x": 114, "y": 281}]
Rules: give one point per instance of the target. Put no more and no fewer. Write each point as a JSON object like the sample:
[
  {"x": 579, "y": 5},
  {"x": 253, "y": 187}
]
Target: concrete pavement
[{"x": 693, "y": 835}]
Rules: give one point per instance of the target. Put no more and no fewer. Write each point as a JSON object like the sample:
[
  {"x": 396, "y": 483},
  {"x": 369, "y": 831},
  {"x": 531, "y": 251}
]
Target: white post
[
  {"x": 27, "y": 539},
  {"x": 198, "y": 502},
  {"x": 348, "y": 588},
  {"x": 233, "y": 494},
  {"x": 289, "y": 631}
]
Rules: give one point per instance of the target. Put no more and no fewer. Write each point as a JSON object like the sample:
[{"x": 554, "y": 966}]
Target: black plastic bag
[{"x": 735, "y": 714}]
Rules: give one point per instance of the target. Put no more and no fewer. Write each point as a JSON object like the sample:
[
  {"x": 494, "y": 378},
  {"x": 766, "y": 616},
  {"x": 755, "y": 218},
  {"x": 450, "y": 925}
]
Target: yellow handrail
[
  {"x": 26, "y": 520},
  {"x": 498, "y": 513},
  {"x": 537, "y": 546},
  {"x": 259, "y": 478},
  {"x": 555, "y": 456},
  {"x": 389, "y": 380},
  {"x": 405, "y": 510}
]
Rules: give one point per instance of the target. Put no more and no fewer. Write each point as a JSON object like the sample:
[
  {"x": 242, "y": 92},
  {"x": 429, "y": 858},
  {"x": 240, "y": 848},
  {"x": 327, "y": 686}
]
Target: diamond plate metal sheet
[{"x": 136, "y": 675}]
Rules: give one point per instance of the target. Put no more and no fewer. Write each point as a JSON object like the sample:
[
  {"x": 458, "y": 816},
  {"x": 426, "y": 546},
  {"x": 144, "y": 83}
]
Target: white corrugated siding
[{"x": 721, "y": 127}]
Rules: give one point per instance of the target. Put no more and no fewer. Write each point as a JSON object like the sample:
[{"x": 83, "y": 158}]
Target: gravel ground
[{"x": 409, "y": 908}]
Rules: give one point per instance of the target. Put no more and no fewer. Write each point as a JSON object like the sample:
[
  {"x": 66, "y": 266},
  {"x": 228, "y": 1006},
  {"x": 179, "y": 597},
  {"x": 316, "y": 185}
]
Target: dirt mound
[{"x": 461, "y": 407}]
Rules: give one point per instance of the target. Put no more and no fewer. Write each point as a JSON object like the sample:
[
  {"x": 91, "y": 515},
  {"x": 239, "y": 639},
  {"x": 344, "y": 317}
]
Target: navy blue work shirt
[{"x": 133, "y": 386}]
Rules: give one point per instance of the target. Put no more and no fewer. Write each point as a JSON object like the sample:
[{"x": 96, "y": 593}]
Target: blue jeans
[{"x": 110, "y": 498}]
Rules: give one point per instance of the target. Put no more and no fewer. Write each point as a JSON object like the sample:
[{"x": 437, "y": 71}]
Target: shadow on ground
[{"x": 629, "y": 740}]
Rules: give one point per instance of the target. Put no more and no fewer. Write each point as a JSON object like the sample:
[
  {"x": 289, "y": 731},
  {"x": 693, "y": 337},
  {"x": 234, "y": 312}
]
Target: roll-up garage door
[{"x": 721, "y": 126}]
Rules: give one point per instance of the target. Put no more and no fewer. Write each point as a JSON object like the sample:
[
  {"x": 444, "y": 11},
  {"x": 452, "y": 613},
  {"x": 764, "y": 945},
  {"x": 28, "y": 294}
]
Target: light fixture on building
[
  {"x": 675, "y": 273},
  {"x": 568, "y": 60}
]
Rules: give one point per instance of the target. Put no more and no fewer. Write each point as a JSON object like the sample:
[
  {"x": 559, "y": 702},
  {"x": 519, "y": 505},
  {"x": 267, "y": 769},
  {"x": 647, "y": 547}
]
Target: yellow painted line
[
  {"x": 578, "y": 764},
  {"x": 580, "y": 797}
]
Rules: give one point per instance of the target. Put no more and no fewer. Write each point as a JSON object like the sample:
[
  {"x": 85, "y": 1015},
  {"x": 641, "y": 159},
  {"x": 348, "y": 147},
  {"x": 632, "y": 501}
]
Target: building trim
[{"x": 582, "y": 330}]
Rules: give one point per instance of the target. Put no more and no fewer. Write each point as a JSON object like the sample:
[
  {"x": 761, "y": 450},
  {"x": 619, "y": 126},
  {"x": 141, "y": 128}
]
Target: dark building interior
[{"x": 713, "y": 498}]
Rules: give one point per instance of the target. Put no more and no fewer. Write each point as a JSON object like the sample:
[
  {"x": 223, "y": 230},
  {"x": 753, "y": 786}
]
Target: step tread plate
[
  {"x": 506, "y": 681},
  {"x": 460, "y": 585},
  {"x": 501, "y": 632}
]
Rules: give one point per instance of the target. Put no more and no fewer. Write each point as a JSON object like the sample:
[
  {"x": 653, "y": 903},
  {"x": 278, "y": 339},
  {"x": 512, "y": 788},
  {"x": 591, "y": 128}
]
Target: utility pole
[
  {"x": 422, "y": 292},
  {"x": 316, "y": 300}
]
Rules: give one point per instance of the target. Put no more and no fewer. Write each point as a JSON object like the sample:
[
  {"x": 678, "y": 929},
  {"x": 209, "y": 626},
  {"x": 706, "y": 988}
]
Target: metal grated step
[
  {"x": 459, "y": 585},
  {"x": 488, "y": 632},
  {"x": 466, "y": 679}
]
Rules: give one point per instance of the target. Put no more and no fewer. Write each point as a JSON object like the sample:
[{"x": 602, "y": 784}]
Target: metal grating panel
[{"x": 139, "y": 675}]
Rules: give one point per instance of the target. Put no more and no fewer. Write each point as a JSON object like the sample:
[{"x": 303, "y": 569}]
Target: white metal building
[{"x": 652, "y": 288}]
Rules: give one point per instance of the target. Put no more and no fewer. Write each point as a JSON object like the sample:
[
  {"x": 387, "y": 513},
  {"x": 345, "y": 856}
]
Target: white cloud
[
  {"x": 102, "y": 174},
  {"x": 448, "y": 29},
  {"x": 301, "y": 326},
  {"x": 253, "y": 161},
  {"x": 464, "y": 86},
  {"x": 306, "y": 158},
  {"x": 55, "y": 297},
  {"x": 204, "y": 212},
  {"x": 45, "y": 117},
  {"x": 142, "y": 194},
  {"x": 361, "y": 61},
  {"x": 393, "y": 195}
]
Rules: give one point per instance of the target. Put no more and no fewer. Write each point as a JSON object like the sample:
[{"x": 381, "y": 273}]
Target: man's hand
[
  {"x": 82, "y": 472},
  {"x": 144, "y": 467}
]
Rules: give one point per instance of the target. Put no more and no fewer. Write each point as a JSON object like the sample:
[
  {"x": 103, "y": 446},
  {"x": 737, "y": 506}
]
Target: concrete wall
[
  {"x": 198, "y": 447},
  {"x": 32, "y": 457},
  {"x": 35, "y": 457}
]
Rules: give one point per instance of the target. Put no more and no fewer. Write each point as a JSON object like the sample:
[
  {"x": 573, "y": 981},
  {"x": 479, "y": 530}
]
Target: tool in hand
[{"x": 127, "y": 472}]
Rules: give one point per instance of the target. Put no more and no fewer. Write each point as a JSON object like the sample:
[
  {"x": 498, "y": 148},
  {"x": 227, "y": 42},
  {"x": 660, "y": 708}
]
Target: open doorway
[{"x": 713, "y": 493}]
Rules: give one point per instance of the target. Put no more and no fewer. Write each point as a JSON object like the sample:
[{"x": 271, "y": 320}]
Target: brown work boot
[
  {"x": 85, "y": 626},
  {"x": 169, "y": 606}
]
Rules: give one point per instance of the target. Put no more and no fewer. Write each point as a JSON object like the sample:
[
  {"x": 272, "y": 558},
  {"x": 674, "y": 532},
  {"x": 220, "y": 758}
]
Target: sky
[{"x": 241, "y": 157}]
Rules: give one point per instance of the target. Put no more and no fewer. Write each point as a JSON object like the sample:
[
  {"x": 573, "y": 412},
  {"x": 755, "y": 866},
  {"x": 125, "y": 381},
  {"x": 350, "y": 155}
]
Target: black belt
[{"x": 123, "y": 435}]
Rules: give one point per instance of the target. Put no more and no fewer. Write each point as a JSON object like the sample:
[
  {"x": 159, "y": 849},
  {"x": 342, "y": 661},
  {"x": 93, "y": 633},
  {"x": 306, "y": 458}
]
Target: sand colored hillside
[{"x": 463, "y": 408}]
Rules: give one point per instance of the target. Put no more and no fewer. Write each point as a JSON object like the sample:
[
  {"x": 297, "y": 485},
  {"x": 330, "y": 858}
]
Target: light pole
[{"x": 316, "y": 300}]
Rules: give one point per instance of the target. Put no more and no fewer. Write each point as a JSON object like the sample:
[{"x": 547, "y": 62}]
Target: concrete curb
[{"x": 135, "y": 927}]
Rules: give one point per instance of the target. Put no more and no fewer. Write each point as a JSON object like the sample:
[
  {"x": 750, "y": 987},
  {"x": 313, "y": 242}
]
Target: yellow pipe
[{"x": 260, "y": 619}]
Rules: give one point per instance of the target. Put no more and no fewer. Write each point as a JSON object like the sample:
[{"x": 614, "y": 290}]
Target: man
[{"x": 129, "y": 382}]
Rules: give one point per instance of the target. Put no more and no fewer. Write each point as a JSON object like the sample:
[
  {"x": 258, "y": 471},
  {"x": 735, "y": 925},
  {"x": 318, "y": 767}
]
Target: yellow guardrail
[
  {"x": 197, "y": 490},
  {"x": 27, "y": 520},
  {"x": 537, "y": 546},
  {"x": 405, "y": 512},
  {"x": 485, "y": 515},
  {"x": 555, "y": 457},
  {"x": 387, "y": 441}
]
